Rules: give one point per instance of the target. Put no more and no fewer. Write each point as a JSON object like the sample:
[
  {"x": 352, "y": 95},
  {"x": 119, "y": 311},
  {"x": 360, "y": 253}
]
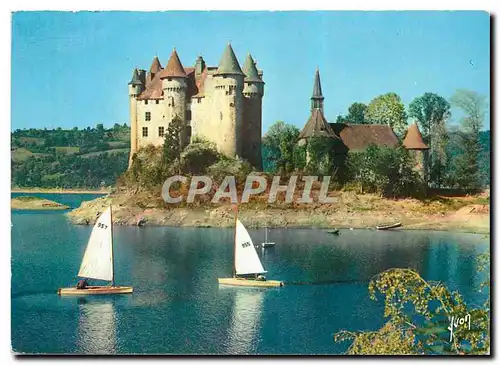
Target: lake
[{"x": 178, "y": 307}]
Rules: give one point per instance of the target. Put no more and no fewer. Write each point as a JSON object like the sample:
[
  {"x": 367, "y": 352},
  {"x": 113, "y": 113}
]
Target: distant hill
[{"x": 75, "y": 158}]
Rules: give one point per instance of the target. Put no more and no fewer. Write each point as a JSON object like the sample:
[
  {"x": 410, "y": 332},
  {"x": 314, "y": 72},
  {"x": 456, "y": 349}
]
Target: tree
[
  {"x": 418, "y": 315},
  {"x": 431, "y": 112},
  {"x": 474, "y": 107},
  {"x": 385, "y": 170},
  {"x": 172, "y": 147},
  {"x": 357, "y": 113},
  {"x": 387, "y": 109},
  {"x": 279, "y": 143}
]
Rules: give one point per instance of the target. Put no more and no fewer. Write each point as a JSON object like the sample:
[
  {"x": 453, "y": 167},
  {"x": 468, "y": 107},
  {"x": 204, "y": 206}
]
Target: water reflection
[
  {"x": 245, "y": 321},
  {"x": 96, "y": 327}
]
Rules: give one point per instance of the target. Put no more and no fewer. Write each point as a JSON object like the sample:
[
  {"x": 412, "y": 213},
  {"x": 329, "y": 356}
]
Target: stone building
[
  {"x": 357, "y": 137},
  {"x": 221, "y": 104}
]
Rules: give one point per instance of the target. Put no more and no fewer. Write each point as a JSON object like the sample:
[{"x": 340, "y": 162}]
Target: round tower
[
  {"x": 174, "y": 86},
  {"x": 253, "y": 91},
  {"x": 135, "y": 88},
  {"x": 227, "y": 112},
  {"x": 415, "y": 144}
]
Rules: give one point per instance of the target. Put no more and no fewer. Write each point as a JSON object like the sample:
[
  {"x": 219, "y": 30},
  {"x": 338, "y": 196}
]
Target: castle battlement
[{"x": 221, "y": 104}]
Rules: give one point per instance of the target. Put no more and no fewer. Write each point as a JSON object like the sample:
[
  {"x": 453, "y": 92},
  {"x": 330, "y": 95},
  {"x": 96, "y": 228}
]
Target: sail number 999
[
  {"x": 245, "y": 244},
  {"x": 102, "y": 225}
]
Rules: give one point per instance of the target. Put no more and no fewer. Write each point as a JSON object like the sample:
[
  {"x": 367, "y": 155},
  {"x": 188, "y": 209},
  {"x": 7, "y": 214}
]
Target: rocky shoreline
[{"x": 469, "y": 218}]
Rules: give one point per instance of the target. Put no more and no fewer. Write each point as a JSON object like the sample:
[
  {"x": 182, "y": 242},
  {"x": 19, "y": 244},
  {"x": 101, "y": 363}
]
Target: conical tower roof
[
  {"x": 250, "y": 70},
  {"x": 317, "y": 93},
  {"x": 229, "y": 63},
  {"x": 155, "y": 65},
  {"x": 317, "y": 126},
  {"x": 413, "y": 139},
  {"x": 135, "y": 78},
  {"x": 174, "y": 67}
]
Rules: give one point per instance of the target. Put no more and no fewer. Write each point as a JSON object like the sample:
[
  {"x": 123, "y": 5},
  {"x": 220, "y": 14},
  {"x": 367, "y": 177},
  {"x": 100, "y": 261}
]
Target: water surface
[{"x": 178, "y": 307}]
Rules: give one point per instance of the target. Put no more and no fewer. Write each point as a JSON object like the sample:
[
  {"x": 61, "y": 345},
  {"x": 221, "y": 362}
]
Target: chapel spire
[{"x": 317, "y": 95}]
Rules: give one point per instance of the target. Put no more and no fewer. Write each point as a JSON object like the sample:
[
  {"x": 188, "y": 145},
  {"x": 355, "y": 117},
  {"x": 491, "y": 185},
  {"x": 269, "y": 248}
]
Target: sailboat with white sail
[
  {"x": 247, "y": 270},
  {"x": 266, "y": 243},
  {"x": 98, "y": 260}
]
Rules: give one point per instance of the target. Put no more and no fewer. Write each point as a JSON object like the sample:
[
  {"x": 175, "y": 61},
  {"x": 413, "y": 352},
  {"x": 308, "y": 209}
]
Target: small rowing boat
[{"x": 388, "y": 226}]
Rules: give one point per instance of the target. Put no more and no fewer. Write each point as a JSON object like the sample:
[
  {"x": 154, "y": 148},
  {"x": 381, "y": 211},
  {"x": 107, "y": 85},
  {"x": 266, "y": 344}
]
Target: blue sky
[{"x": 72, "y": 69}]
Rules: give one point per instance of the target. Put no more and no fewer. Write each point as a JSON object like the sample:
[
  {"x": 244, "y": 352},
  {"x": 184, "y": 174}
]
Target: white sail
[
  {"x": 98, "y": 258},
  {"x": 247, "y": 260}
]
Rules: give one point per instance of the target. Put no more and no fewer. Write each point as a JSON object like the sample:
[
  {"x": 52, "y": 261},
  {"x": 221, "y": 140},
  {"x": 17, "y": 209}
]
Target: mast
[
  {"x": 112, "y": 252},
  {"x": 234, "y": 253},
  {"x": 266, "y": 235}
]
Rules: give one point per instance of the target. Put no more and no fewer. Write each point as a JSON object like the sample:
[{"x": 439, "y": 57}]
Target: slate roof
[
  {"x": 317, "y": 126},
  {"x": 229, "y": 63},
  {"x": 317, "y": 93},
  {"x": 250, "y": 70},
  {"x": 135, "y": 78}
]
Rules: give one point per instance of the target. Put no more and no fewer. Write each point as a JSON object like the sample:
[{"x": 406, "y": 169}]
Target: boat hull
[
  {"x": 96, "y": 290},
  {"x": 267, "y": 244},
  {"x": 250, "y": 282},
  {"x": 389, "y": 226}
]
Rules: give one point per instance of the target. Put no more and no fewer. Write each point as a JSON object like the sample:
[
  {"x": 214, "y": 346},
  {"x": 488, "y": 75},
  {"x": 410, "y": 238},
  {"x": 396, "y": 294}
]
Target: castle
[{"x": 220, "y": 104}]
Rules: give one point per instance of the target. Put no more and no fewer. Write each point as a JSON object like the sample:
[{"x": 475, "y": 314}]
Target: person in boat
[
  {"x": 260, "y": 278},
  {"x": 82, "y": 284}
]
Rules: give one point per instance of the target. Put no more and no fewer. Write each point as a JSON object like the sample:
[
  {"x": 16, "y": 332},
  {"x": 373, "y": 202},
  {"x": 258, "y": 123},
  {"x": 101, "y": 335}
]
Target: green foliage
[
  {"x": 431, "y": 112},
  {"x": 466, "y": 167},
  {"x": 279, "y": 144},
  {"x": 357, "y": 113},
  {"x": 299, "y": 156},
  {"x": 173, "y": 145},
  {"x": 148, "y": 169},
  {"x": 198, "y": 156},
  {"x": 326, "y": 157},
  {"x": 75, "y": 158},
  {"x": 387, "y": 171},
  {"x": 418, "y": 315},
  {"x": 227, "y": 166},
  {"x": 387, "y": 109}
]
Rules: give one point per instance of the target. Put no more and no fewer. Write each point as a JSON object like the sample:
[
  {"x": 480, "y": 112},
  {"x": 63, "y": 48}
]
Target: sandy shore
[
  {"x": 468, "y": 218},
  {"x": 58, "y": 191},
  {"x": 30, "y": 203}
]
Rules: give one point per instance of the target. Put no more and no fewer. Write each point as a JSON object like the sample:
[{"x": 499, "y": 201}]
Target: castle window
[
  {"x": 144, "y": 131},
  {"x": 188, "y": 114},
  {"x": 148, "y": 116},
  {"x": 161, "y": 131},
  {"x": 146, "y": 102},
  {"x": 157, "y": 101},
  {"x": 220, "y": 115},
  {"x": 199, "y": 100}
]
